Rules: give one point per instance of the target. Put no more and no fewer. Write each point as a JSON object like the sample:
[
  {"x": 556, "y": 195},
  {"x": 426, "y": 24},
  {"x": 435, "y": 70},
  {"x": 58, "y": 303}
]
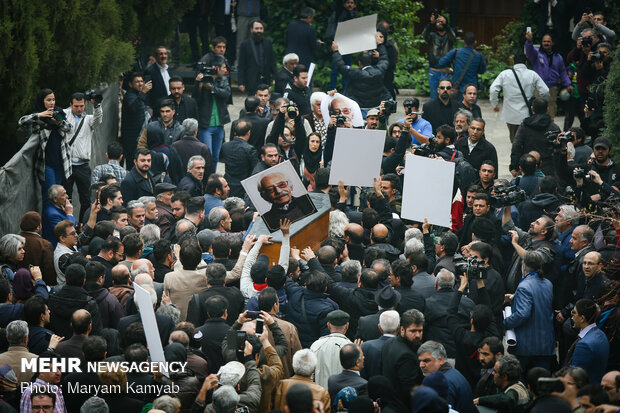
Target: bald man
[
  {"x": 121, "y": 284},
  {"x": 596, "y": 282},
  {"x": 354, "y": 235},
  {"x": 610, "y": 385},
  {"x": 144, "y": 266},
  {"x": 277, "y": 189},
  {"x": 82, "y": 325},
  {"x": 195, "y": 363},
  {"x": 380, "y": 238}
]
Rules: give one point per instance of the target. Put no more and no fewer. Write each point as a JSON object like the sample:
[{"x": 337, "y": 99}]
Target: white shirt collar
[{"x": 585, "y": 330}]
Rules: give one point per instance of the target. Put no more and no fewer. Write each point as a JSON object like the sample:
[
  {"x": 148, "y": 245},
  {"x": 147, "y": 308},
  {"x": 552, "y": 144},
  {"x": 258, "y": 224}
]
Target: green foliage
[
  {"x": 72, "y": 45},
  {"x": 612, "y": 8},
  {"x": 612, "y": 104},
  {"x": 401, "y": 14}
]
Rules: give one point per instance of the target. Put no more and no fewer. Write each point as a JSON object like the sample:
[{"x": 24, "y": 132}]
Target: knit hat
[
  {"x": 30, "y": 221},
  {"x": 258, "y": 272}
]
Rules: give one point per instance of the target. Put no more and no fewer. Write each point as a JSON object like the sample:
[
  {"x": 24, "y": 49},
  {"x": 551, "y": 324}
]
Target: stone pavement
[{"x": 496, "y": 131}]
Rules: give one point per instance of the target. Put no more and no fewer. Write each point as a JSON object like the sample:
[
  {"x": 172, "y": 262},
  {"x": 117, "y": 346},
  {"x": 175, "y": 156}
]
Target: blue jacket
[
  {"x": 460, "y": 58},
  {"x": 372, "y": 352},
  {"x": 52, "y": 215},
  {"x": 301, "y": 39},
  {"x": 460, "y": 395},
  {"x": 591, "y": 354},
  {"x": 317, "y": 306},
  {"x": 532, "y": 317}
]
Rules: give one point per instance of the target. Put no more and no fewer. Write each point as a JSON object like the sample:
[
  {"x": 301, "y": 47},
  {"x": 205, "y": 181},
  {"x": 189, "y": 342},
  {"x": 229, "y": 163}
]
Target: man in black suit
[
  {"x": 401, "y": 278},
  {"x": 276, "y": 189},
  {"x": 160, "y": 76},
  {"x": 213, "y": 332},
  {"x": 184, "y": 105},
  {"x": 368, "y": 326},
  {"x": 132, "y": 117},
  {"x": 301, "y": 37},
  {"x": 399, "y": 355},
  {"x": 240, "y": 158},
  {"x": 198, "y": 311},
  {"x": 256, "y": 60},
  {"x": 165, "y": 325},
  {"x": 252, "y": 114},
  {"x": 388, "y": 327},
  {"x": 352, "y": 361},
  {"x": 81, "y": 323},
  {"x": 441, "y": 110},
  {"x": 475, "y": 147}
]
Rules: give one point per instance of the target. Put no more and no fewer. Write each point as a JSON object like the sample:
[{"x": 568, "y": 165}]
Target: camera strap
[
  {"x": 457, "y": 84},
  {"x": 77, "y": 132},
  {"x": 527, "y": 105}
]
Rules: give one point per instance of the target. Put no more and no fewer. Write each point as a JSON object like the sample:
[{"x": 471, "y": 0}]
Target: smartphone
[
  {"x": 252, "y": 315},
  {"x": 259, "y": 326},
  {"x": 147, "y": 78},
  {"x": 529, "y": 29}
]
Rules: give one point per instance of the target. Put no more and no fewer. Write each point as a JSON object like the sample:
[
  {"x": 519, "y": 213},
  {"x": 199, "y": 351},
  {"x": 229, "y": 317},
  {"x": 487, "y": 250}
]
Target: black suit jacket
[
  {"x": 301, "y": 39},
  {"x": 107, "y": 280},
  {"x": 299, "y": 208},
  {"x": 368, "y": 327},
  {"x": 401, "y": 366},
  {"x": 347, "y": 378},
  {"x": 72, "y": 348},
  {"x": 240, "y": 158},
  {"x": 159, "y": 90},
  {"x": 251, "y": 72},
  {"x": 197, "y": 311},
  {"x": 165, "y": 325},
  {"x": 439, "y": 114},
  {"x": 372, "y": 356},
  {"x": 484, "y": 150},
  {"x": 259, "y": 129},
  {"x": 213, "y": 333}
]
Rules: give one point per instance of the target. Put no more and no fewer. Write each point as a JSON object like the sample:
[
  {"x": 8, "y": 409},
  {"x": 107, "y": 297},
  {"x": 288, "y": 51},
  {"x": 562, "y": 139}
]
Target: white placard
[
  {"x": 340, "y": 104},
  {"x": 356, "y": 35},
  {"x": 511, "y": 337},
  {"x": 310, "y": 73},
  {"x": 427, "y": 192},
  {"x": 357, "y": 156},
  {"x": 147, "y": 314}
]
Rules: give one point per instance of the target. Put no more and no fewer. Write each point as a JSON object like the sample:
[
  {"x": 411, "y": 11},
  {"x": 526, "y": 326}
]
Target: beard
[{"x": 257, "y": 37}]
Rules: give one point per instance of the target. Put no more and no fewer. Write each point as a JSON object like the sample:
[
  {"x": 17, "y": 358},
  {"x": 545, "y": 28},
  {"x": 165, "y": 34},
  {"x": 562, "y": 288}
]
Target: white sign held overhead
[
  {"x": 310, "y": 73},
  {"x": 147, "y": 314},
  {"x": 357, "y": 156},
  {"x": 427, "y": 192},
  {"x": 356, "y": 35}
]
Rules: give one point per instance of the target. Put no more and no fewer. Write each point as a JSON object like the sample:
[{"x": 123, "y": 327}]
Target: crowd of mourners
[{"x": 514, "y": 308}]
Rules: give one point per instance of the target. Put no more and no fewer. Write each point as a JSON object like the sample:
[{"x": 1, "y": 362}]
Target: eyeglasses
[
  {"x": 272, "y": 189},
  {"x": 46, "y": 408},
  {"x": 72, "y": 234},
  {"x": 444, "y": 87}
]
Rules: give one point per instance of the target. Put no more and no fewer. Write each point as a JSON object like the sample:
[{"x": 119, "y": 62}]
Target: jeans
[
  {"x": 52, "y": 177},
  {"x": 333, "y": 77},
  {"x": 434, "y": 77},
  {"x": 213, "y": 137},
  {"x": 81, "y": 177}
]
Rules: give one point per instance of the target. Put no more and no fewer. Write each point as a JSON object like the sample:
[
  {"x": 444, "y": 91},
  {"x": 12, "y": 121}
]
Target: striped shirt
[
  {"x": 25, "y": 405},
  {"x": 111, "y": 168}
]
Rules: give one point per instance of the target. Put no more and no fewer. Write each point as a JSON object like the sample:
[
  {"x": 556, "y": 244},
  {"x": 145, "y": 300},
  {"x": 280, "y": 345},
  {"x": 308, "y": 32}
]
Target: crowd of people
[{"x": 514, "y": 308}]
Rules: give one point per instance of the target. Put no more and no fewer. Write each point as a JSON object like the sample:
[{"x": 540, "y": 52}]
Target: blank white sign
[
  {"x": 145, "y": 306},
  {"x": 357, "y": 156},
  {"x": 356, "y": 35},
  {"x": 427, "y": 191}
]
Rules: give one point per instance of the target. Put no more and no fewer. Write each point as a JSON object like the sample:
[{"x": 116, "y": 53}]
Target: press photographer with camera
[
  {"x": 418, "y": 128},
  {"x": 212, "y": 92},
  {"x": 83, "y": 126},
  {"x": 291, "y": 141},
  {"x": 49, "y": 124}
]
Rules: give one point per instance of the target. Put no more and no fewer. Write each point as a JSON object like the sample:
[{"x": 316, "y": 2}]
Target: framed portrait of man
[
  {"x": 278, "y": 193},
  {"x": 341, "y": 105}
]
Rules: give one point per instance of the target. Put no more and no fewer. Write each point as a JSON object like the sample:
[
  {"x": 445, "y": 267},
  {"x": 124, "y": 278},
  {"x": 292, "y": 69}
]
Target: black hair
[
  {"x": 539, "y": 106},
  {"x": 483, "y": 249},
  {"x": 448, "y": 132},
  {"x": 369, "y": 279},
  {"x": 134, "y": 333},
  {"x": 175, "y": 79},
  {"x": 482, "y": 317},
  {"x": 299, "y": 69},
  {"x": 161, "y": 249},
  {"x": 373, "y": 253},
  {"x": 190, "y": 254},
  {"x": 390, "y": 141},
  {"x": 166, "y": 103},
  {"x": 349, "y": 355},
  {"x": 133, "y": 244},
  {"x": 402, "y": 269},
  {"x": 217, "y": 40},
  {"x": 494, "y": 343},
  {"x": 469, "y": 39},
  {"x": 242, "y": 128},
  {"x": 588, "y": 309},
  {"x": 221, "y": 246},
  {"x": 251, "y": 104},
  {"x": 365, "y": 59},
  {"x": 267, "y": 299},
  {"x": 392, "y": 179},
  {"x": 321, "y": 178},
  {"x": 142, "y": 151},
  {"x": 115, "y": 150},
  {"x": 77, "y": 96},
  {"x": 316, "y": 281},
  {"x": 94, "y": 348},
  {"x": 263, "y": 149},
  {"x": 418, "y": 259},
  {"x": 214, "y": 182},
  {"x": 75, "y": 275},
  {"x": 5, "y": 289},
  {"x": 519, "y": 57},
  {"x": 33, "y": 308},
  {"x": 276, "y": 277},
  {"x": 94, "y": 270},
  {"x": 548, "y": 185},
  {"x": 527, "y": 163},
  {"x": 216, "y": 306}
]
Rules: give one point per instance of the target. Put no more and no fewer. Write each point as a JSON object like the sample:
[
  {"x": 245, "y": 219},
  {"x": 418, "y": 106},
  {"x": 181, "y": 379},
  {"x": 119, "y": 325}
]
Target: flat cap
[
  {"x": 164, "y": 187},
  {"x": 338, "y": 318}
]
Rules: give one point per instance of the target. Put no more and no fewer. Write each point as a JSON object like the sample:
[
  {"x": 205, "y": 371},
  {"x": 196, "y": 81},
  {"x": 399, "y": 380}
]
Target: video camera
[
  {"x": 556, "y": 143},
  {"x": 472, "y": 267},
  {"x": 580, "y": 173},
  {"x": 207, "y": 71},
  {"x": 92, "y": 94},
  {"x": 510, "y": 195},
  {"x": 389, "y": 107},
  {"x": 426, "y": 149},
  {"x": 548, "y": 385},
  {"x": 291, "y": 110}
]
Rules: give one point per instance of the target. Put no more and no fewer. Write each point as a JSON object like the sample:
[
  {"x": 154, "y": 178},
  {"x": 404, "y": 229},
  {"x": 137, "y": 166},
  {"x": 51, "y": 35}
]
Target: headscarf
[
  {"x": 22, "y": 285},
  {"x": 312, "y": 159}
]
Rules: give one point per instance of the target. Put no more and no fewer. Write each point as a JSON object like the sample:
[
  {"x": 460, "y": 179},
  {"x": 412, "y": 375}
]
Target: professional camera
[
  {"x": 92, "y": 94},
  {"x": 426, "y": 149},
  {"x": 389, "y": 107},
  {"x": 408, "y": 105},
  {"x": 435, "y": 13},
  {"x": 207, "y": 71},
  {"x": 548, "y": 385},
  {"x": 291, "y": 110},
  {"x": 236, "y": 341},
  {"x": 597, "y": 56},
  {"x": 472, "y": 267},
  {"x": 586, "y": 41},
  {"x": 510, "y": 195},
  {"x": 580, "y": 173},
  {"x": 563, "y": 139}
]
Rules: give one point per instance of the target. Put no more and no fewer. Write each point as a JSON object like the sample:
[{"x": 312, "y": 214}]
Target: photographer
[
  {"x": 492, "y": 280},
  {"x": 338, "y": 118},
  {"x": 291, "y": 141},
  {"x": 53, "y": 162},
  {"x": 418, "y": 128},
  {"x": 586, "y": 188},
  {"x": 440, "y": 38},
  {"x": 212, "y": 93}
]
